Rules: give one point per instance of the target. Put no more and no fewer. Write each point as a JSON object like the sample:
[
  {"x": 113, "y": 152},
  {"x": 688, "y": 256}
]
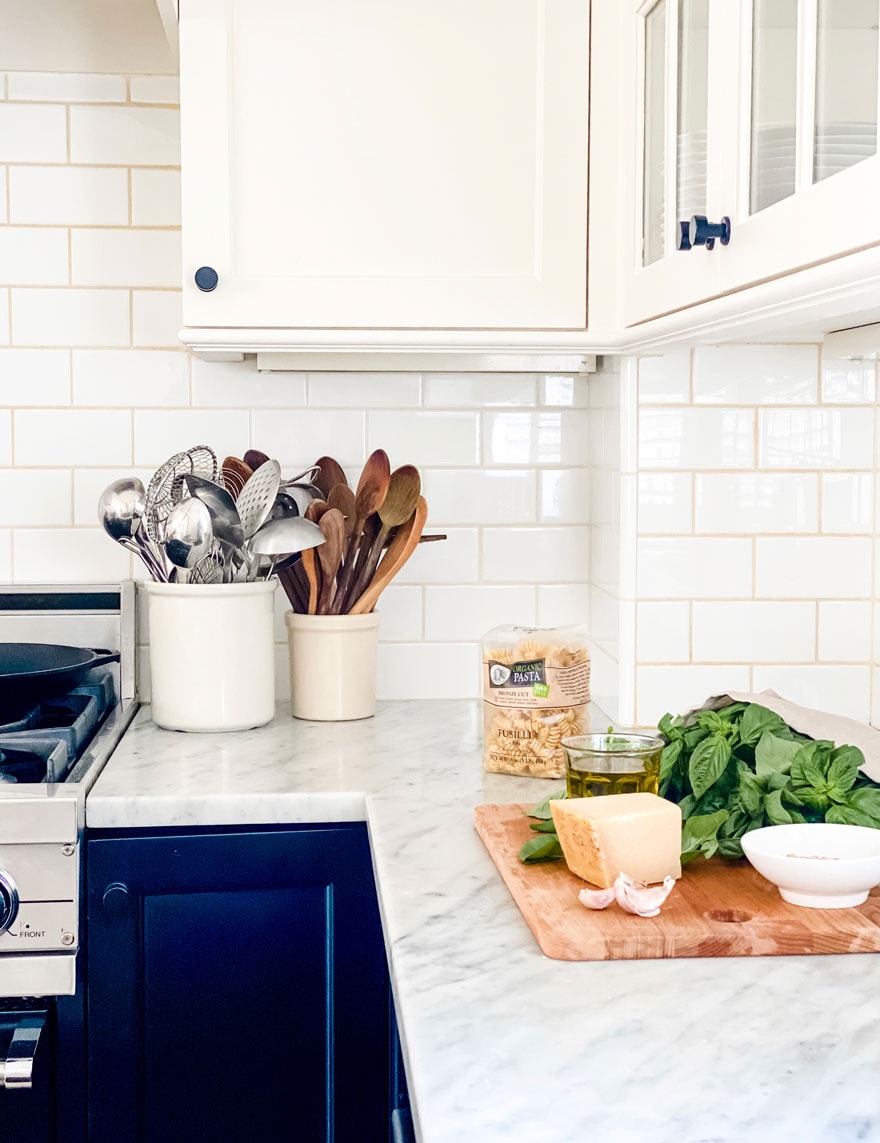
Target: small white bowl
[{"x": 818, "y": 864}]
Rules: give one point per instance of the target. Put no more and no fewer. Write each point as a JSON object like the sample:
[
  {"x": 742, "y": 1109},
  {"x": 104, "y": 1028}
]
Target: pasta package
[{"x": 536, "y": 688}]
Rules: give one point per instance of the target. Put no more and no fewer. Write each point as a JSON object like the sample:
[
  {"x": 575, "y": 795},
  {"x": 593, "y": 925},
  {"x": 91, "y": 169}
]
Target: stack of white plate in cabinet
[
  {"x": 691, "y": 181},
  {"x": 837, "y": 147}
]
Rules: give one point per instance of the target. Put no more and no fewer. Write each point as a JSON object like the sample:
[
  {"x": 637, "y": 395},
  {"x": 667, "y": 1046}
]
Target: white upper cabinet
[
  {"x": 759, "y": 112},
  {"x": 391, "y": 164}
]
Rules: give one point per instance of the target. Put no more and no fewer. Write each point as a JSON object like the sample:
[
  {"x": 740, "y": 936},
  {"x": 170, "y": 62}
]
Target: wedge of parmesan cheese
[{"x": 635, "y": 834}]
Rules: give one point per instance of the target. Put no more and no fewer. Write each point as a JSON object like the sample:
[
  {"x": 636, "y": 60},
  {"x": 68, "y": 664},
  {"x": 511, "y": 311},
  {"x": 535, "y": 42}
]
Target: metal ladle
[
  {"x": 121, "y": 509},
  {"x": 188, "y": 533},
  {"x": 283, "y": 537}
]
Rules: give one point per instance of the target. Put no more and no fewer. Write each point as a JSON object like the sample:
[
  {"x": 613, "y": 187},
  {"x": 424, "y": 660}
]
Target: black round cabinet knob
[
  {"x": 207, "y": 279},
  {"x": 702, "y": 232}
]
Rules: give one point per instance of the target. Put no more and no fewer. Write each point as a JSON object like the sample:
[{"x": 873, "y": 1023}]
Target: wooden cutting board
[{"x": 718, "y": 908}]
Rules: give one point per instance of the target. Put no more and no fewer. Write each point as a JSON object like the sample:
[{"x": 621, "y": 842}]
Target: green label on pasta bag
[{"x": 540, "y": 690}]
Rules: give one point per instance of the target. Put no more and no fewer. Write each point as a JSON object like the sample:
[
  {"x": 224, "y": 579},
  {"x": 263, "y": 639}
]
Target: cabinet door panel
[
  {"x": 237, "y": 989},
  {"x": 385, "y": 164}
]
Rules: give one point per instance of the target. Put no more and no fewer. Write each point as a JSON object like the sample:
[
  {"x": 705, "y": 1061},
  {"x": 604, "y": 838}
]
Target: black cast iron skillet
[{"x": 33, "y": 671}]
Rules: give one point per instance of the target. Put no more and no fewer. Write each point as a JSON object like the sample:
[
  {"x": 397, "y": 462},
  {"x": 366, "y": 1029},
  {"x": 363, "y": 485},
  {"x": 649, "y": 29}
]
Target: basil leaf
[
  {"x": 707, "y": 763},
  {"x": 750, "y": 792},
  {"x": 542, "y": 809},
  {"x": 844, "y": 769},
  {"x": 669, "y": 756},
  {"x": 704, "y": 826},
  {"x": 862, "y": 807},
  {"x": 810, "y": 763},
  {"x": 687, "y": 805},
  {"x": 773, "y": 754},
  {"x": 756, "y": 721},
  {"x": 543, "y": 848},
  {"x": 730, "y": 847},
  {"x": 543, "y": 826},
  {"x": 776, "y": 812}
]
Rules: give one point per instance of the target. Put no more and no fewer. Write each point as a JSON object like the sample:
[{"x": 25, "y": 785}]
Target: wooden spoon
[
  {"x": 405, "y": 542},
  {"x": 330, "y": 554},
  {"x": 371, "y": 492},
  {"x": 341, "y": 496},
  {"x": 330, "y": 473},
  {"x": 400, "y": 503},
  {"x": 236, "y": 474},
  {"x": 254, "y": 458}
]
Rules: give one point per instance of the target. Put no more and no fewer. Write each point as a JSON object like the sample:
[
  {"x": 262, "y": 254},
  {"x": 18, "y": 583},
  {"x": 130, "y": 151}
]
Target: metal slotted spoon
[
  {"x": 255, "y": 500},
  {"x": 166, "y": 483}
]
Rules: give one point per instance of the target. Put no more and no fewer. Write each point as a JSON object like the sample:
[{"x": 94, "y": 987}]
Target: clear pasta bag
[{"x": 536, "y": 687}]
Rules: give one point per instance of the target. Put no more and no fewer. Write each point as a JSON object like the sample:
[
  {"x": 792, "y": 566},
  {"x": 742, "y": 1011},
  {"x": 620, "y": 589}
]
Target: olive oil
[{"x": 621, "y": 763}]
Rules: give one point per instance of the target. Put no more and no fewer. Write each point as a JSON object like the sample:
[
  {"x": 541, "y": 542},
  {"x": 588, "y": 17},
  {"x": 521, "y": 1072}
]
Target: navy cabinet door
[{"x": 237, "y": 988}]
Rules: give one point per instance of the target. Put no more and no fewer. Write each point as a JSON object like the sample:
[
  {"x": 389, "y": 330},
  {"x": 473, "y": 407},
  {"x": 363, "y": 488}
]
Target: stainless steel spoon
[
  {"x": 121, "y": 509},
  {"x": 188, "y": 533},
  {"x": 279, "y": 538}
]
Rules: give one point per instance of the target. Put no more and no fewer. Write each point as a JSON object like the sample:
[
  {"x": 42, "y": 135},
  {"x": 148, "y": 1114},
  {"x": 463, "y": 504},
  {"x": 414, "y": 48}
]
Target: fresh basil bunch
[{"x": 742, "y": 767}]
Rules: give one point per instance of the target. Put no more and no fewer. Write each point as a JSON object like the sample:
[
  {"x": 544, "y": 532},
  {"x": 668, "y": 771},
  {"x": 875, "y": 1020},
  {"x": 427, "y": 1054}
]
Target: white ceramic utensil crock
[
  {"x": 332, "y": 665},
  {"x": 212, "y": 664}
]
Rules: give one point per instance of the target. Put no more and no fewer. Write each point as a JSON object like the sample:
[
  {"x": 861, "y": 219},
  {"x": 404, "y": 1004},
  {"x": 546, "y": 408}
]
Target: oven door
[{"x": 28, "y": 1100}]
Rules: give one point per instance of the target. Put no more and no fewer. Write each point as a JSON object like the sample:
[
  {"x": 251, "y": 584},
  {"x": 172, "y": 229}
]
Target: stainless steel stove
[{"x": 51, "y": 753}]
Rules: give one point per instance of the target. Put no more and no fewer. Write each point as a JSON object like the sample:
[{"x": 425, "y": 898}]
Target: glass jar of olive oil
[{"x": 620, "y": 762}]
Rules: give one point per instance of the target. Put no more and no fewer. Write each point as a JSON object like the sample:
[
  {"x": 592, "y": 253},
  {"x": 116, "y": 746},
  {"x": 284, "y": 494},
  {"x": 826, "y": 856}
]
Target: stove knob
[{"x": 8, "y": 901}]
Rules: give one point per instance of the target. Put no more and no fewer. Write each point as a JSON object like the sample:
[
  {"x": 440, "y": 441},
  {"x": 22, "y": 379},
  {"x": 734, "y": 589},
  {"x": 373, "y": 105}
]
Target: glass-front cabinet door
[{"x": 757, "y": 122}]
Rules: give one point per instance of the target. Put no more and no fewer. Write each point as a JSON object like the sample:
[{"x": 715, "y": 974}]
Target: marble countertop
[{"x": 501, "y": 1043}]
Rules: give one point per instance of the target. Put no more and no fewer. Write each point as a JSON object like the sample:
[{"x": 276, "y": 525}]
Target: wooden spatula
[
  {"x": 371, "y": 491},
  {"x": 329, "y": 554},
  {"x": 404, "y": 543}
]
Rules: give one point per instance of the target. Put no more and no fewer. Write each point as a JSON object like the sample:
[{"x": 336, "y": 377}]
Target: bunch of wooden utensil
[{"x": 370, "y": 532}]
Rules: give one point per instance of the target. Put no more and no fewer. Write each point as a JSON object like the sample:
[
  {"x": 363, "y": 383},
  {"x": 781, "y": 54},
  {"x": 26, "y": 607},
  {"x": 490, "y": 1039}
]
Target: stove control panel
[{"x": 39, "y": 897}]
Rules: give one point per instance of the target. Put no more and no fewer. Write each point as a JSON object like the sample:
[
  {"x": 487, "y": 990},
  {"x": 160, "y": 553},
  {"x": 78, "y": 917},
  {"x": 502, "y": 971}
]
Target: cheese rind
[{"x": 635, "y": 834}]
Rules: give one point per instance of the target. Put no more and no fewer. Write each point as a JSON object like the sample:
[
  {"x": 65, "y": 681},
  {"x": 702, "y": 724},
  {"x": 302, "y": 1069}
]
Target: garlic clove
[
  {"x": 640, "y": 899},
  {"x": 596, "y": 898}
]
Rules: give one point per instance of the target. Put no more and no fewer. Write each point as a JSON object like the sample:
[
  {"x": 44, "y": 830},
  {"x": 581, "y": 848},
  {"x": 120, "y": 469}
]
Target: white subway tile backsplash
[
  {"x": 5, "y": 555},
  {"x": 696, "y": 438},
  {"x": 422, "y": 670},
  {"x": 425, "y": 439},
  {"x": 818, "y": 438},
  {"x": 401, "y": 614},
  {"x": 108, "y": 257},
  {"x": 124, "y": 136},
  {"x": 299, "y": 437},
  {"x": 665, "y": 503},
  {"x": 754, "y": 632},
  {"x": 675, "y": 689},
  {"x": 666, "y": 378},
  {"x": 564, "y": 495},
  {"x": 755, "y": 502},
  {"x": 3, "y": 192},
  {"x": 34, "y": 376},
  {"x": 604, "y": 625},
  {"x": 68, "y": 196},
  {"x": 240, "y": 385},
  {"x": 66, "y": 87},
  {"x": 155, "y": 89},
  {"x": 536, "y": 555},
  {"x": 30, "y": 133},
  {"x": 694, "y": 568},
  {"x": 33, "y": 256},
  {"x": 563, "y": 390},
  {"x": 5, "y": 436},
  {"x": 849, "y": 382},
  {"x": 756, "y": 374},
  {"x": 72, "y": 437},
  {"x": 155, "y": 197},
  {"x": 34, "y": 497},
  {"x": 470, "y": 390},
  {"x": 462, "y": 614},
  {"x": 845, "y": 631},
  {"x": 847, "y": 502},
  {"x": 130, "y": 377},
  {"x": 366, "y": 391},
  {"x": 158, "y": 435},
  {"x": 843, "y": 690},
  {"x": 156, "y": 318},
  {"x": 547, "y": 437},
  {"x": 663, "y": 632},
  {"x": 811, "y": 567},
  {"x": 71, "y": 317},
  {"x": 68, "y": 555},
  {"x": 480, "y": 496},
  {"x": 453, "y": 560},
  {"x": 4, "y": 317},
  {"x": 560, "y": 604}
]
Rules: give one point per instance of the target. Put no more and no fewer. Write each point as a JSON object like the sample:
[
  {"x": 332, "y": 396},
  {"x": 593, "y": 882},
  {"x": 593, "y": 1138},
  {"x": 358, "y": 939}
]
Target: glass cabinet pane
[
  {"x": 846, "y": 85},
  {"x": 653, "y": 190},
  {"x": 774, "y": 101},
  {"x": 693, "y": 106}
]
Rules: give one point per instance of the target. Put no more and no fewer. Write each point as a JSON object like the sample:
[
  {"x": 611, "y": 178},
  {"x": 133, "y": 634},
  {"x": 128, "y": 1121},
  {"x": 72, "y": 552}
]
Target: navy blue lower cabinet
[{"x": 236, "y": 988}]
